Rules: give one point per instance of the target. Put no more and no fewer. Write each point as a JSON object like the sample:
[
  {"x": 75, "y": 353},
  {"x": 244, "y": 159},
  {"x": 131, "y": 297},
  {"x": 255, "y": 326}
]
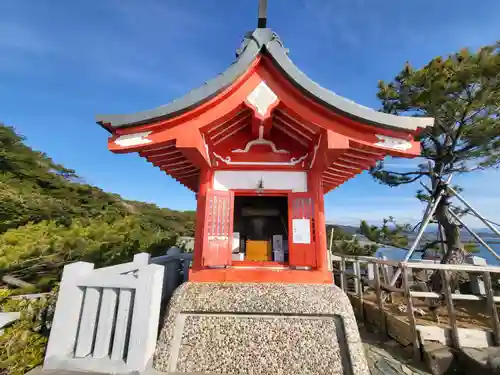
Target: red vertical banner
[
  {"x": 218, "y": 234},
  {"x": 302, "y": 230}
]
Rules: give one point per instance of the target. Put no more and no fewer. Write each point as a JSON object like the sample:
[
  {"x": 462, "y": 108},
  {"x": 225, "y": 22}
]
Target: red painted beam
[
  {"x": 229, "y": 133},
  {"x": 329, "y": 186},
  {"x": 167, "y": 159},
  {"x": 366, "y": 149},
  {"x": 158, "y": 149},
  {"x": 184, "y": 174},
  {"x": 191, "y": 144},
  {"x": 230, "y": 127},
  {"x": 163, "y": 156},
  {"x": 178, "y": 168},
  {"x": 333, "y": 171},
  {"x": 291, "y": 133},
  {"x": 243, "y": 114},
  {"x": 295, "y": 126},
  {"x": 294, "y": 119},
  {"x": 345, "y": 167},
  {"x": 367, "y": 164},
  {"x": 332, "y": 183},
  {"x": 334, "y": 178},
  {"x": 352, "y": 154}
]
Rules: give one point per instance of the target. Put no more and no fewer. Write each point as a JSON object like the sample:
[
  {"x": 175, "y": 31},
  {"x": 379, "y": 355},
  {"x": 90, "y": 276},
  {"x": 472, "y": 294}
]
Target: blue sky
[{"x": 62, "y": 62}]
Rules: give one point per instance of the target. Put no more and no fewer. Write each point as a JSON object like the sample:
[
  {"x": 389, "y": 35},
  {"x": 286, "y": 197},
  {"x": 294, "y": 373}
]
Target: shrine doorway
[{"x": 260, "y": 229}]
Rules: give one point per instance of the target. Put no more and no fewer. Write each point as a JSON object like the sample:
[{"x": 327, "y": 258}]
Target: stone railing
[
  {"x": 106, "y": 320},
  {"x": 7, "y": 318},
  {"x": 378, "y": 275}
]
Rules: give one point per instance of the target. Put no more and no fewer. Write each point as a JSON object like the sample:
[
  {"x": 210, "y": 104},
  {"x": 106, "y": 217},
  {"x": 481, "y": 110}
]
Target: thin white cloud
[{"x": 144, "y": 48}]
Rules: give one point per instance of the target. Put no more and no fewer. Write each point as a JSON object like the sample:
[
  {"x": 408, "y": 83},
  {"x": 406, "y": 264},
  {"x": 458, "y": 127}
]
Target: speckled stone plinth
[{"x": 239, "y": 328}]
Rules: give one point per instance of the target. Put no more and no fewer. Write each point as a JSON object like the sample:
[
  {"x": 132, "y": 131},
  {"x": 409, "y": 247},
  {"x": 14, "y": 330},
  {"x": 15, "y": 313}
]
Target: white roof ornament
[
  {"x": 133, "y": 139},
  {"x": 262, "y": 97},
  {"x": 393, "y": 143}
]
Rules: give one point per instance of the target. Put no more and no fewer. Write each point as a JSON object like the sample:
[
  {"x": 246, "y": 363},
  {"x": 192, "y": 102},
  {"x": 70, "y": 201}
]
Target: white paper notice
[{"x": 301, "y": 231}]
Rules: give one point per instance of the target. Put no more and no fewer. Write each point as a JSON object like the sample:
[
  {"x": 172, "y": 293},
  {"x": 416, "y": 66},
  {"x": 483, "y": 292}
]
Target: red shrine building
[{"x": 260, "y": 145}]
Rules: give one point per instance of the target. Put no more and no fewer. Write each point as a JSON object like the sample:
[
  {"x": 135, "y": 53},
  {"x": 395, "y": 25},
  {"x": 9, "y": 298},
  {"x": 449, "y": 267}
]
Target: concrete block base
[
  {"x": 240, "y": 328},
  {"x": 480, "y": 361},
  {"x": 440, "y": 359}
]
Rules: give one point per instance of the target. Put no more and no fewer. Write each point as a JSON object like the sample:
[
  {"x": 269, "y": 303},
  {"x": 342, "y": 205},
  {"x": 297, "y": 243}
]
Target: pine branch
[
  {"x": 431, "y": 244},
  {"x": 462, "y": 124},
  {"x": 401, "y": 174},
  {"x": 462, "y": 170}
]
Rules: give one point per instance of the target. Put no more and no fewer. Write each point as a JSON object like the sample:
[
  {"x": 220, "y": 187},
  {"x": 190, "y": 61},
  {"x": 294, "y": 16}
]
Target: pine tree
[{"x": 462, "y": 92}]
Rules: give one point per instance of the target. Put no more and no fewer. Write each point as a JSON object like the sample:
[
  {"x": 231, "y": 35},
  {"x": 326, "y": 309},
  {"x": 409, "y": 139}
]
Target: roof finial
[{"x": 262, "y": 22}]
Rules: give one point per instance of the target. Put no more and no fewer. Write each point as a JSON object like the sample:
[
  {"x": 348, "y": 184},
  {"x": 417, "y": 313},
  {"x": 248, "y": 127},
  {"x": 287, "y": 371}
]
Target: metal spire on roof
[{"x": 262, "y": 22}]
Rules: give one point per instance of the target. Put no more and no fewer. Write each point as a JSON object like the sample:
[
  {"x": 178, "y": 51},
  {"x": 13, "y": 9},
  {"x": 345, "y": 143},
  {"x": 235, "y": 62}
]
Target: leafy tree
[
  {"x": 22, "y": 345},
  {"x": 462, "y": 93},
  {"x": 49, "y": 218},
  {"x": 345, "y": 243},
  {"x": 390, "y": 233},
  {"x": 336, "y": 233}
]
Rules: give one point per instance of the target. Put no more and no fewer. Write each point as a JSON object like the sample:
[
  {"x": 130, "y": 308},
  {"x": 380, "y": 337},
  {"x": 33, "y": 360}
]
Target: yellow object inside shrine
[{"x": 258, "y": 250}]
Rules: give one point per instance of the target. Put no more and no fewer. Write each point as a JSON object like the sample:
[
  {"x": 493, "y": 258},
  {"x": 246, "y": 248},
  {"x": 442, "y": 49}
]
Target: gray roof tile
[{"x": 254, "y": 43}]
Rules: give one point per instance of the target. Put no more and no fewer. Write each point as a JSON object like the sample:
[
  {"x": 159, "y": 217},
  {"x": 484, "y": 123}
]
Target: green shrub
[
  {"x": 49, "y": 218},
  {"x": 22, "y": 345}
]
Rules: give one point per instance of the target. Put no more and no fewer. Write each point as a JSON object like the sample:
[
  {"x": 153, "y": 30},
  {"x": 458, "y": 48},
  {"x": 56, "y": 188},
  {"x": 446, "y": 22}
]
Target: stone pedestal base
[{"x": 239, "y": 328}]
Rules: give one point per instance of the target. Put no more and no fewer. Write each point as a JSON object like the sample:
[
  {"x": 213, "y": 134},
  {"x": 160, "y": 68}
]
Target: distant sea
[{"x": 399, "y": 254}]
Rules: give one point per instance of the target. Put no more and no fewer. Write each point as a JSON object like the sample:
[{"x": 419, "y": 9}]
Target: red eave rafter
[
  {"x": 349, "y": 162},
  {"x": 318, "y": 115},
  {"x": 171, "y": 160},
  {"x": 220, "y": 132},
  {"x": 294, "y": 114},
  {"x": 162, "y": 150}
]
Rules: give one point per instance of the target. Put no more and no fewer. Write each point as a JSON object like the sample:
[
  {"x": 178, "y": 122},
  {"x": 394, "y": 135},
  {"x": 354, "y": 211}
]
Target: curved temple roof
[{"x": 265, "y": 41}]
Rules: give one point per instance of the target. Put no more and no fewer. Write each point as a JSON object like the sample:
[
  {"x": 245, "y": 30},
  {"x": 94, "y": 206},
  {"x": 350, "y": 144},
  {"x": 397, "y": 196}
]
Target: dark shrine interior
[{"x": 260, "y": 217}]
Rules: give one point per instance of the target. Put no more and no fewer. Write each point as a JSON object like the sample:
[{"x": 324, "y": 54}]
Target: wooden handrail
[
  {"x": 429, "y": 266},
  {"x": 445, "y": 270}
]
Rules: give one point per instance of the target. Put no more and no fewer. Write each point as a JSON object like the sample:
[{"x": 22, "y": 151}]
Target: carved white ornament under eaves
[
  {"x": 262, "y": 97},
  {"x": 394, "y": 143},
  {"x": 227, "y": 160},
  {"x": 133, "y": 139},
  {"x": 261, "y": 141}
]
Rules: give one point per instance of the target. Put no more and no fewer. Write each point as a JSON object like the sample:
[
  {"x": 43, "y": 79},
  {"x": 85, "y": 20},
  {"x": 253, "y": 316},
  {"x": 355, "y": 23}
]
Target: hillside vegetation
[{"x": 48, "y": 218}]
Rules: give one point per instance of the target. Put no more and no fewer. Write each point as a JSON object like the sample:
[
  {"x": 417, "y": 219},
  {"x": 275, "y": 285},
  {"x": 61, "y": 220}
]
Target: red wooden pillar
[
  {"x": 322, "y": 242},
  {"x": 315, "y": 188},
  {"x": 206, "y": 176}
]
